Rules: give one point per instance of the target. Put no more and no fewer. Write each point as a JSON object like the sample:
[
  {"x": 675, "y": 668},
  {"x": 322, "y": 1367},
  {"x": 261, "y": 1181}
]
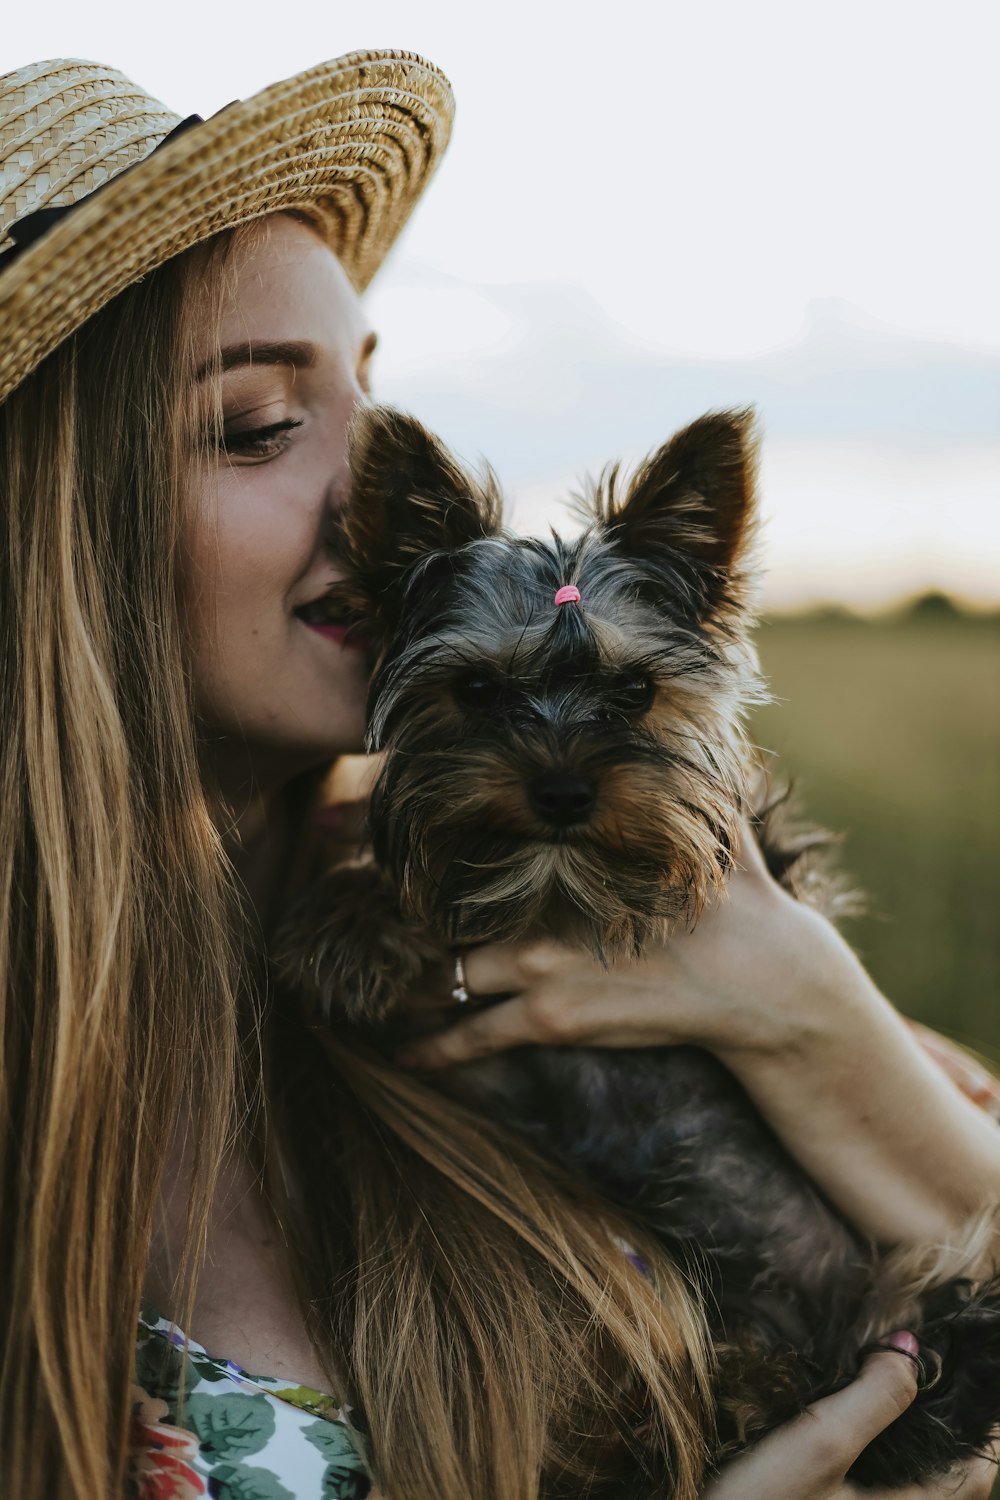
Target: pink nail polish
[{"x": 904, "y": 1341}]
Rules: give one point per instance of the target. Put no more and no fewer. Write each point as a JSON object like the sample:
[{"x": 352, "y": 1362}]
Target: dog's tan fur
[{"x": 494, "y": 709}]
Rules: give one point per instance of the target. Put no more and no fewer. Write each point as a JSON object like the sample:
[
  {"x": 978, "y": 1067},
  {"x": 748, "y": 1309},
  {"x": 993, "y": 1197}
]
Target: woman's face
[{"x": 295, "y": 353}]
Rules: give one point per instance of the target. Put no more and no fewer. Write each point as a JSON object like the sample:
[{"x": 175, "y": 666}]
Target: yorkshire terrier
[{"x": 562, "y": 726}]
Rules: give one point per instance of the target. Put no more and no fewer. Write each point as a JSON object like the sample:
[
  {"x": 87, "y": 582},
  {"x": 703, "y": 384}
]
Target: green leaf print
[
  {"x": 333, "y": 1440},
  {"x": 207, "y": 1370},
  {"x": 346, "y": 1474},
  {"x": 230, "y": 1426},
  {"x": 315, "y": 1403},
  {"x": 344, "y": 1484},
  {"x": 239, "y": 1482},
  {"x": 160, "y": 1369}
]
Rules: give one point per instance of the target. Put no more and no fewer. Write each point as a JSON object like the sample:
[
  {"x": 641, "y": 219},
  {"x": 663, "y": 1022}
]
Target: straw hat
[{"x": 351, "y": 143}]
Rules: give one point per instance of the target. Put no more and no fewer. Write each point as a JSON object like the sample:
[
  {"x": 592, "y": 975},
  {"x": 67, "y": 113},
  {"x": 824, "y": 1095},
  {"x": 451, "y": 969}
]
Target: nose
[{"x": 562, "y": 797}]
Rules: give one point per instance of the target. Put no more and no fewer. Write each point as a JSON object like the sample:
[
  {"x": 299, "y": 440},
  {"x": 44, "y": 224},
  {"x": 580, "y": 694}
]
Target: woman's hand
[
  {"x": 772, "y": 989},
  {"x": 808, "y": 1458},
  {"x": 749, "y": 977}
]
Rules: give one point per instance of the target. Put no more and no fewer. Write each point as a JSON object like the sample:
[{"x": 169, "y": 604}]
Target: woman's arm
[
  {"x": 771, "y": 988},
  {"x": 878, "y": 1125},
  {"x": 844, "y": 1081}
]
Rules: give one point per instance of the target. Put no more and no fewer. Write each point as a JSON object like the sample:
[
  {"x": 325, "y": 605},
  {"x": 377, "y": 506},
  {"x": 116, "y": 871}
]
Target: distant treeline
[{"x": 933, "y": 607}]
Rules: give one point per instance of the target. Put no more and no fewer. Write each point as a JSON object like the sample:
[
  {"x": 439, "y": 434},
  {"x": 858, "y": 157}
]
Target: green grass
[{"x": 891, "y": 732}]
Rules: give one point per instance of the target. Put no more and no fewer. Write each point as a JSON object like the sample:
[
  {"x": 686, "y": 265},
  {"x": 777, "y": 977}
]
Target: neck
[
  {"x": 254, "y": 825},
  {"x": 259, "y": 847}
]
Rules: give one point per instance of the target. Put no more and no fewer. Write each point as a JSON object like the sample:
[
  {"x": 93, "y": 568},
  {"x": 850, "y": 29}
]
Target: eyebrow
[{"x": 300, "y": 355}]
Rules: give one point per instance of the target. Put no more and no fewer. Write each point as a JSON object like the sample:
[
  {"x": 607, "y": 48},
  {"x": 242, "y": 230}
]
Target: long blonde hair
[{"x": 472, "y": 1303}]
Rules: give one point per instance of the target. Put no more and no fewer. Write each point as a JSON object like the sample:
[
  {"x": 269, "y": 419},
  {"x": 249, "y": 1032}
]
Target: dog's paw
[{"x": 346, "y": 950}]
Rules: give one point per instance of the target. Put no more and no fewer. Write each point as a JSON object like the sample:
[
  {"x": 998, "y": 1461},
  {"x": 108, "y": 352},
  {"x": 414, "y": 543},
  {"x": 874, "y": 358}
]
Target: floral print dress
[
  {"x": 236, "y": 1436},
  {"x": 253, "y": 1437}
]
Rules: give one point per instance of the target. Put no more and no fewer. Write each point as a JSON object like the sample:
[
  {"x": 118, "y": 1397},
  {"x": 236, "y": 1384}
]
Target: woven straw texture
[{"x": 352, "y": 143}]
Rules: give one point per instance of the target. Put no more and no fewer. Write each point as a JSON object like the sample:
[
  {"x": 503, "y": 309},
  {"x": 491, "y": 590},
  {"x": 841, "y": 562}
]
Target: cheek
[
  {"x": 244, "y": 553},
  {"x": 241, "y": 556},
  {"x": 254, "y": 549}
]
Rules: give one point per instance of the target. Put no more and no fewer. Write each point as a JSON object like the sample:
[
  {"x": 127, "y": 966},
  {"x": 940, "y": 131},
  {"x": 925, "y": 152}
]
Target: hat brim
[{"x": 351, "y": 143}]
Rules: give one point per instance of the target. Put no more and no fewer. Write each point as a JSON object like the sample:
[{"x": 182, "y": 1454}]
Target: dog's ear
[
  {"x": 410, "y": 497},
  {"x": 692, "y": 502}
]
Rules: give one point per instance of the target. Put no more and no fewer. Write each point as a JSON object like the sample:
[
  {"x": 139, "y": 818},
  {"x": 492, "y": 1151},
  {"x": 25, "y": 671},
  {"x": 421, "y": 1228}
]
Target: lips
[{"x": 342, "y": 634}]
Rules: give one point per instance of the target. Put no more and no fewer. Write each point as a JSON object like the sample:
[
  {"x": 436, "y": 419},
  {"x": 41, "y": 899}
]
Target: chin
[
  {"x": 278, "y": 752},
  {"x": 329, "y": 744}
]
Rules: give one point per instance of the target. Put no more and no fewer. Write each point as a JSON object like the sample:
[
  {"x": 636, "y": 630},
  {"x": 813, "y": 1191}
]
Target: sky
[{"x": 649, "y": 210}]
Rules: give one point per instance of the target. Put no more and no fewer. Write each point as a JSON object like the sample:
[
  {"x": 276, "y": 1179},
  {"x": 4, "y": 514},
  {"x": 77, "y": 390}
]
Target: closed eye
[{"x": 258, "y": 442}]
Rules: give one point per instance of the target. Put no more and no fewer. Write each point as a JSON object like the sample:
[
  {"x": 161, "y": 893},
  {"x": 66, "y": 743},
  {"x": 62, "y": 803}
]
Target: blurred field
[{"x": 891, "y": 731}]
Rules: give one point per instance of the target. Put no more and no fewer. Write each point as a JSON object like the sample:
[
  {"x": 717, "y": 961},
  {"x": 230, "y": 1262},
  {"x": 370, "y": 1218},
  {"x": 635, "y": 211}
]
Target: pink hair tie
[{"x": 568, "y": 594}]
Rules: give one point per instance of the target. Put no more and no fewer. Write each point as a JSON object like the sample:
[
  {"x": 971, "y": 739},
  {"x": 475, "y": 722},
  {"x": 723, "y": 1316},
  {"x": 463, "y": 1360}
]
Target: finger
[
  {"x": 436, "y": 991},
  {"x": 980, "y": 1477},
  {"x": 505, "y": 968},
  {"x": 427, "y": 1001},
  {"x": 493, "y": 969},
  {"x": 961, "y": 1067},
  {"x": 842, "y": 1425},
  {"x": 807, "y": 1458},
  {"x": 502, "y": 1026},
  {"x": 976, "y": 1483},
  {"x": 343, "y": 820},
  {"x": 353, "y": 777}
]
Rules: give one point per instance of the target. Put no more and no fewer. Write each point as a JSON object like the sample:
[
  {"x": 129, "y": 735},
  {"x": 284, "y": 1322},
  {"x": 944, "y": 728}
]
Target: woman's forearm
[
  {"x": 770, "y": 988},
  {"x": 876, "y": 1123}
]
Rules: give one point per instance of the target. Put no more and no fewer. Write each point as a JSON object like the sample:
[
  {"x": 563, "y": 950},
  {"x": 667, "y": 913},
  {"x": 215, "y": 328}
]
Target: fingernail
[{"x": 904, "y": 1341}]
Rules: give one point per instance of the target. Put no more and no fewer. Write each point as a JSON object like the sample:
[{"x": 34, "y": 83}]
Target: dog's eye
[
  {"x": 480, "y": 692},
  {"x": 631, "y": 694}
]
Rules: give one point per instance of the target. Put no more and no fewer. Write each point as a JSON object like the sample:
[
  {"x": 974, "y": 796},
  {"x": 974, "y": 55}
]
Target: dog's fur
[{"x": 582, "y": 771}]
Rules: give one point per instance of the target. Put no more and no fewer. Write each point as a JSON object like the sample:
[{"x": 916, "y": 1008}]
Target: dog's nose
[{"x": 562, "y": 797}]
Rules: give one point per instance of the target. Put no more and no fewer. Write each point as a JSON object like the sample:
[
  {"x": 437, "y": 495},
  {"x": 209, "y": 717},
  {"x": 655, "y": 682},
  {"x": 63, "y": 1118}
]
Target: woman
[{"x": 175, "y": 389}]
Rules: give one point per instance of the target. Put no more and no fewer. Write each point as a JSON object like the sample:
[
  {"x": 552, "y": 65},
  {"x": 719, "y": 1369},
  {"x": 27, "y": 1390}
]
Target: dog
[{"x": 562, "y": 725}]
